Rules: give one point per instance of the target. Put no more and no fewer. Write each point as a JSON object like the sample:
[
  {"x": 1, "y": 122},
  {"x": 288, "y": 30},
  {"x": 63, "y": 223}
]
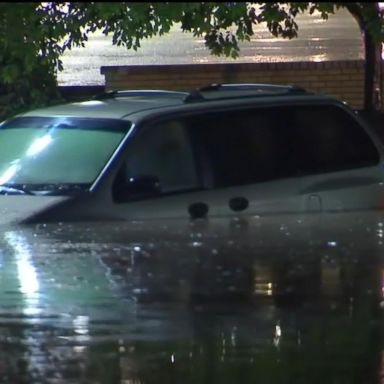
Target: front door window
[{"x": 159, "y": 160}]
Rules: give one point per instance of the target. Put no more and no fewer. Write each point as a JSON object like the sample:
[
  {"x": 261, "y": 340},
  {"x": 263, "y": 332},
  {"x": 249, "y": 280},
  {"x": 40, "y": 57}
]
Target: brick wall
[{"x": 343, "y": 79}]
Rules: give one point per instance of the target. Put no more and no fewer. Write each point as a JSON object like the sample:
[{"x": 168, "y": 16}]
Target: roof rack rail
[
  {"x": 251, "y": 90},
  {"x": 250, "y": 87},
  {"x": 135, "y": 93}
]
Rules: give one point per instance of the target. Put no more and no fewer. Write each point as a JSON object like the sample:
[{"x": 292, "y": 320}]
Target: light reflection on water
[
  {"x": 252, "y": 299},
  {"x": 28, "y": 280}
]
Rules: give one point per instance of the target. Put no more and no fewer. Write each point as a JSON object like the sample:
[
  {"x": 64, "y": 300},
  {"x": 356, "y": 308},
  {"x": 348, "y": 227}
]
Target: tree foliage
[{"x": 34, "y": 35}]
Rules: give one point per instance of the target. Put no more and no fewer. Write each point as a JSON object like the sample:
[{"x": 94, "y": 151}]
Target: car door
[
  {"x": 248, "y": 161},
  {"x": 219, "y": 163}
]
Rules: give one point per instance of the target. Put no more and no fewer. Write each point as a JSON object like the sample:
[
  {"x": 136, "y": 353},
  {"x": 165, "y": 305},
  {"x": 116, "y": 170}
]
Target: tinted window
[
  {"x": 330, "y": 140},
  {"x": 264, "y": 144},
  {"x": 240, "y": 147}
]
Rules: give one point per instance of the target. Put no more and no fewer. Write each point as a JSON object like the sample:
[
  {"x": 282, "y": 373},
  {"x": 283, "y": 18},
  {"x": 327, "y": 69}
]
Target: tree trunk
[
  {"x": 365, "y": 14},
  {"x": 370, "y": 73}
]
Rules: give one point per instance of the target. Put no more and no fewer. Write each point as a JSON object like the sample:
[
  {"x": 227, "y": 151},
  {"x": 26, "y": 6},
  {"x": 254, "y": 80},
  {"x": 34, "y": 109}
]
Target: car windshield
[{"x": 56, "y": 153}]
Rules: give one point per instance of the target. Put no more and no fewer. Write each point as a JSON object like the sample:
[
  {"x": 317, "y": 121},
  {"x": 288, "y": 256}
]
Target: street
[{"x": 337, "y": 38}]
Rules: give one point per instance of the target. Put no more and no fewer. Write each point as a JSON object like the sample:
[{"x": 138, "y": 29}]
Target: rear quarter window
[{"x": 329, "y": 139}]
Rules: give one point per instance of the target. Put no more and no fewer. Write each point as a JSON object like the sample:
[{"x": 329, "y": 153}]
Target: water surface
[{"x": 249, "y": 300}]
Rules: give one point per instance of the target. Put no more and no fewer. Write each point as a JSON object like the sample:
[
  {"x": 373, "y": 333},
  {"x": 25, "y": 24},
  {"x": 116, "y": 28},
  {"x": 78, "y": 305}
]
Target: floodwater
[{"x": 275, "y": 299}]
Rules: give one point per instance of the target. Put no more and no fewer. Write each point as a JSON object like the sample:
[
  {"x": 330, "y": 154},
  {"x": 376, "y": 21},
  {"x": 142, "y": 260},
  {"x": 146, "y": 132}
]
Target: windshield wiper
[
  {"x": 14, "y": 191},
  {"x": 58, "y": 189}
]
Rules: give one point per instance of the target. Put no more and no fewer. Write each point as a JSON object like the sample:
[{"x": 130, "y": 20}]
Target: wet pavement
[
  {"x": 275, "y": 299},
  {"x": 337, "y": 38}
]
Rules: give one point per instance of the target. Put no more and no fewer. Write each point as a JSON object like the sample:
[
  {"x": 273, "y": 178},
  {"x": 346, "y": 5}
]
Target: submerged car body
[{"x": 232, "y": 149}]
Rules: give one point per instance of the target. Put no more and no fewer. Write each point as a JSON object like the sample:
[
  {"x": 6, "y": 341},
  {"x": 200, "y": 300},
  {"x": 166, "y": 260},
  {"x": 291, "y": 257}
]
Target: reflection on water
[
  {"x": 28, "y": 281},
  {"x": 249, "y": 300}
]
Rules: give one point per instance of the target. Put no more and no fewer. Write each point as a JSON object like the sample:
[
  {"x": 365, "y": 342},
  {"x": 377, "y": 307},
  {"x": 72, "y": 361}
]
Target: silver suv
[{"x": 226, "y": 149}]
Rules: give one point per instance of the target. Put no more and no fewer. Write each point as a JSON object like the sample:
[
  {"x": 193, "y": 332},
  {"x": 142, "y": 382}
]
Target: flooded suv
[{"x": 226, "y": 149}]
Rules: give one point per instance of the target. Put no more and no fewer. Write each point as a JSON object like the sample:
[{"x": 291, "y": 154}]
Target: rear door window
[{"x": 240, "y": 147}]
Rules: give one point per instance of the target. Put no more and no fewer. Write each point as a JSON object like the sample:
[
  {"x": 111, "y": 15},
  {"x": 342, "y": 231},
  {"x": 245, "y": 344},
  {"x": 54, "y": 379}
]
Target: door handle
[
  {"x": 198, "y": 210},
  {"x": 238, "y": 204}
]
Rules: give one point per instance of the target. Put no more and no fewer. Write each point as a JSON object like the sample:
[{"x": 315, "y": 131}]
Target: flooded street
[{"x": 250, "y": 300}]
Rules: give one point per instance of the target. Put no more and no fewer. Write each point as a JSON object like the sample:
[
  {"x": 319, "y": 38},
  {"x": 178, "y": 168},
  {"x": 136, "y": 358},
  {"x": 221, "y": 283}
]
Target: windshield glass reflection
[{"x": 38, "y": 151}]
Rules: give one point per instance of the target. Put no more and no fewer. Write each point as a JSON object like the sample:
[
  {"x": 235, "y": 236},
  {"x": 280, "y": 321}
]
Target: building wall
[
  {"x": 73, "y": 93},
  {"x": 343, "y": 79}
]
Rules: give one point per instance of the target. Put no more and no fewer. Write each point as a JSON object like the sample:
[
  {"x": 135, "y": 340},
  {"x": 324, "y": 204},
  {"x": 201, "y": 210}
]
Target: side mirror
[
  {"x": 143, "y": 185},
  {"x": 136, "y": 187}
]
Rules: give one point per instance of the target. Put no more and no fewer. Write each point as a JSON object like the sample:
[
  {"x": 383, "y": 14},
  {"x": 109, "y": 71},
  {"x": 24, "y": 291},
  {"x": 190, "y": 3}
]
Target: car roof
[
  {"x": 115, "y": 107},
  {"x": 121, "y": 104}
]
